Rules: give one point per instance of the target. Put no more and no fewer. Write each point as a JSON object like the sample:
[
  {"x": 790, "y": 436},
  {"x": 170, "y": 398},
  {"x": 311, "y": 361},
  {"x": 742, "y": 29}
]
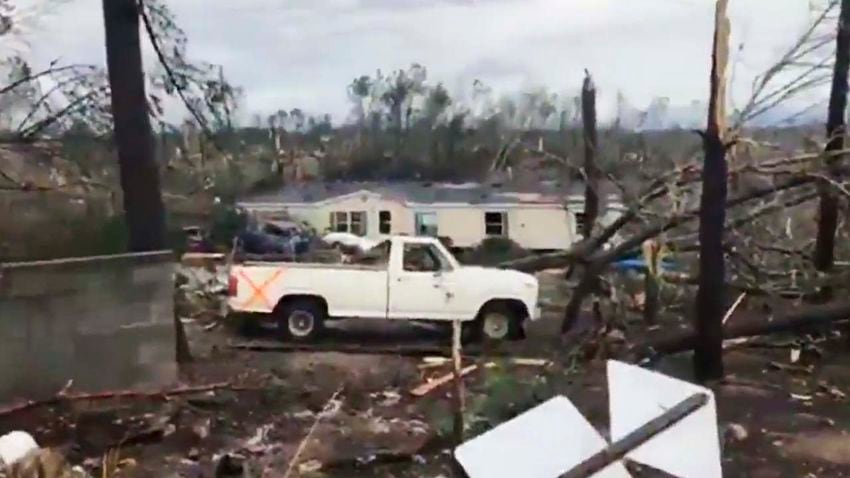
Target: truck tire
[
  {"x": 497, "y": 323},
  {"x": 301, "y": 321}
]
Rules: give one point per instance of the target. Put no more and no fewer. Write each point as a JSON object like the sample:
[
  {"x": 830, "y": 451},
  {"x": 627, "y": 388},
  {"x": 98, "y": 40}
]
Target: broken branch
[{"x": 131, "y": 394}]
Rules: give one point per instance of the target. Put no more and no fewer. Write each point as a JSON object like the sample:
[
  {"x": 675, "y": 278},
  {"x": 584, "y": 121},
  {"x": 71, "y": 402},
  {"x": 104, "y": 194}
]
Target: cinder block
[{"x": 152, "y": 273}]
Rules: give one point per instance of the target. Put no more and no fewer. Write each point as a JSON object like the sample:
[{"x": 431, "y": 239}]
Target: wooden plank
[
  {"x": 434, "y": 362},
  {"x": 428, "y": 387}
]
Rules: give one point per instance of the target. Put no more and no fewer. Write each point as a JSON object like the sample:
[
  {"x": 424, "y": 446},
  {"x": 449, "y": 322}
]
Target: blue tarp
[{"x": 639, "y": 265}]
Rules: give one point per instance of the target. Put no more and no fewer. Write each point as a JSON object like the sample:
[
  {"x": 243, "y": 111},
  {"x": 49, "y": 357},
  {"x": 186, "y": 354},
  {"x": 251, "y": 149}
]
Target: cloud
[{"x": 303, "y": 53}]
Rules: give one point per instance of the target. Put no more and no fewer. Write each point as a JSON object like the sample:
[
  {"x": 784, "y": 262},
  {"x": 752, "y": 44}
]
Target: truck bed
[
  {"x": 315, "y": 257},
  {"x": 314, "y": 265}
]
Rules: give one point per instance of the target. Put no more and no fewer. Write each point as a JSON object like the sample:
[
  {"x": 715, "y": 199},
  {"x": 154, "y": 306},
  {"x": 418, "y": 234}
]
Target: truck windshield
[{"x": 424, "y": 258}]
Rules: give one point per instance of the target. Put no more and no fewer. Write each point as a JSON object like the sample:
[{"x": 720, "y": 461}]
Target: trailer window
[
  {"x": 358, "y": 223},
  {"x": 426, "y": 224},
  {"x": 581, "y": 224},
  {"x": 385, "y": 221},
  {"x": 496, "y": 223},
  {"x": 339, "y": 221},
  {"x": 349, "y": 221}
]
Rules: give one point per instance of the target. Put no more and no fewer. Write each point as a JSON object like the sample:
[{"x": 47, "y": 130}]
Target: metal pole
[{"x": 630, "y": 442}]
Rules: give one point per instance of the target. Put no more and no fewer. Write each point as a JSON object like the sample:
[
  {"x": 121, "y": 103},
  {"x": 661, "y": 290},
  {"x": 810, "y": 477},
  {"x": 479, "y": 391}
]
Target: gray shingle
[{"x": 424, "y": 193}]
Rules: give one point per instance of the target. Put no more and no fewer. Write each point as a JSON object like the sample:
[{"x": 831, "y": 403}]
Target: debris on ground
[
  {"x": 201, "y": 291},
  {"x": 379, "y": 427},
  {"x": 431, "y": 385},
  {"x": 736, "y": 432},
  {"x": 15, "y": 445}
]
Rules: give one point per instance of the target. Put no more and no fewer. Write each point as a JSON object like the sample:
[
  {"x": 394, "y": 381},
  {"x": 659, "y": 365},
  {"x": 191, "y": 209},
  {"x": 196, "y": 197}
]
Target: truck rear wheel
[{"x": 301, "y": 321}]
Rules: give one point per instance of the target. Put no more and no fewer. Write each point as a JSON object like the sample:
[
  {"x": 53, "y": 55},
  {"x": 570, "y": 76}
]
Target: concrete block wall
[{"x": 104, "y": 322}]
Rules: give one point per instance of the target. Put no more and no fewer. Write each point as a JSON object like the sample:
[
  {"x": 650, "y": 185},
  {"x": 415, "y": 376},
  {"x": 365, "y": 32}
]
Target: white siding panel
[
  {"x": 539, "y": 228},
  {"x": 465, "y": 226}
]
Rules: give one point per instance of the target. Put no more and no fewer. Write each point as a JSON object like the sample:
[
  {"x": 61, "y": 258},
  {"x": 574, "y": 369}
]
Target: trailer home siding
[{"x": 467, "y": 215}]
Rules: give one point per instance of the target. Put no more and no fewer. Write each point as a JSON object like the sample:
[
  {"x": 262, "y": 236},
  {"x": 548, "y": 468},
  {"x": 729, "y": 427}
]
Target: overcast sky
[{"x": 303, "y": 53}]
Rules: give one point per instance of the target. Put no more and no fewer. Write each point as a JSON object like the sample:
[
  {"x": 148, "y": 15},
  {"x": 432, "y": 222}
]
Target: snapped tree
[
  {"x": 708, "y": 354},
  {"x": 591, "y": 170},
  {"x": 143, "y": 207},
  {"x": 835, "y": 132}
]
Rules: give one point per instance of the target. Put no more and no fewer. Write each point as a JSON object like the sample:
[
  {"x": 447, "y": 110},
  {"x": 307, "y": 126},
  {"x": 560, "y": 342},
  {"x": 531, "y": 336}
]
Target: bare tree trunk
[
  {"x": 587, "y": 285},
  {"x": 589, "y": 282},
  {"x": 591, "y": 192},
  {"x": 835, "y": 131},
  {"x": 457, "y": 395},
  {"x": 143, "y": 207},
  {"x": 651, "y": 298},
  {"x": 651, "y": 255},
  {"x": 708, "y": 356}
]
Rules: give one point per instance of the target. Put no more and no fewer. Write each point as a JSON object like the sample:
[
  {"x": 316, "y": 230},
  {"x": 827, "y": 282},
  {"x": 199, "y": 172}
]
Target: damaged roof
[{"x": 426, "y": 193}]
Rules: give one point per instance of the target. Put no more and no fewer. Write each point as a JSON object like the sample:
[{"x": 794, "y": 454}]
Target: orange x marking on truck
[{"x": 259, "y": 291}]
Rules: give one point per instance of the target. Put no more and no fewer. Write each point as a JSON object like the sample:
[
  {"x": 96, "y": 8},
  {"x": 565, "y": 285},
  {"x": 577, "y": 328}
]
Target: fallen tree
[
  {"x": 600, "y": 260},
  {"x": 686, "y": 339},
  {"x": 588, "y": 250}
]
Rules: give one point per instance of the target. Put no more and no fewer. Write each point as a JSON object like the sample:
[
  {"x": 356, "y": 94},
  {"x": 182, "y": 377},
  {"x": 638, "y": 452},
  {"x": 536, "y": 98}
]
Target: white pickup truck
[{"x": 402, "y": 278}]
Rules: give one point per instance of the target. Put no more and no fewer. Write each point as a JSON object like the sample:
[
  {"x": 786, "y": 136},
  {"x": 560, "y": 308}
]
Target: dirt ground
[{"x": 783, "y": 409}]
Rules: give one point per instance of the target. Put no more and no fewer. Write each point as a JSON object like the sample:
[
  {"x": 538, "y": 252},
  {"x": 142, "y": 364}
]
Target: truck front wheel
[
  {"x": 496, "y": 323},
  {"x": 301, "y": 321}
]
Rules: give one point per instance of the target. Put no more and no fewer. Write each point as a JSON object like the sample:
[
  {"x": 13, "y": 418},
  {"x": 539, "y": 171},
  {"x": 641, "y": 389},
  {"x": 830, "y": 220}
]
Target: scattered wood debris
[
  {"x": 434, "y": 362},
  {"x": 63, "y": 396},
  {"x": 428, "y": 387}
]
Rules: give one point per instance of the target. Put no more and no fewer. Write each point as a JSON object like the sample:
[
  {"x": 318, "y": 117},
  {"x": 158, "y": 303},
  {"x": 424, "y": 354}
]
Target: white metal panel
[
  {"x": 637, "y": 395},
  {"x": 544, "y": 442}
]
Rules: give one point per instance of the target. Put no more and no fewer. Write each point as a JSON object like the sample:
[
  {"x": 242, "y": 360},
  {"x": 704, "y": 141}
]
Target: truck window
[
  {"x": 376, "y": 256},
  {"x": 424, "y": 258}
]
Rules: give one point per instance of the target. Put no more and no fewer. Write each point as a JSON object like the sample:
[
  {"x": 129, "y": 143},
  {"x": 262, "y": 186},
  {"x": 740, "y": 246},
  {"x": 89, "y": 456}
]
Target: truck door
[{"x": 421, "y": 286}]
